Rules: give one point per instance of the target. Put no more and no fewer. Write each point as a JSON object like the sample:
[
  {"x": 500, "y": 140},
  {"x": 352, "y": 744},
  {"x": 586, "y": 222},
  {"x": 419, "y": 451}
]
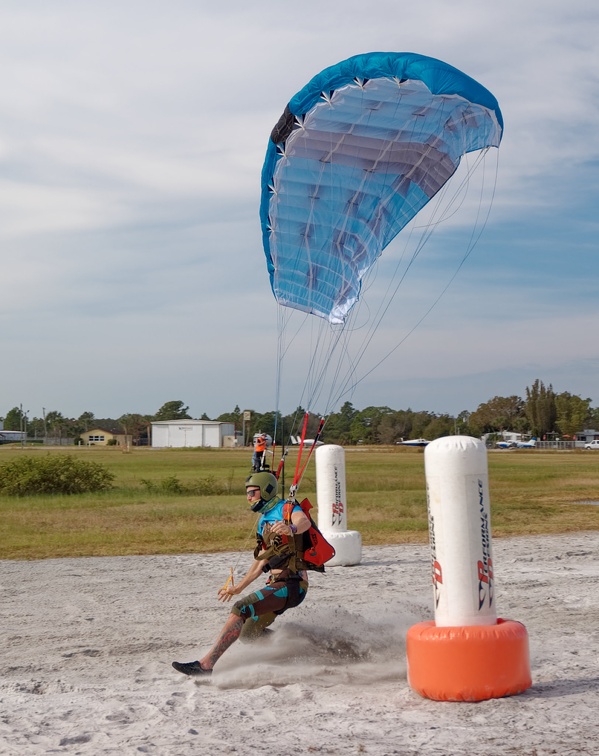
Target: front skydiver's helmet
[{"x": 268, "y": 485}]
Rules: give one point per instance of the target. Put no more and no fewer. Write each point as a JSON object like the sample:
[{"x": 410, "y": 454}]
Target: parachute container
[{"x": 356, "y": 154}]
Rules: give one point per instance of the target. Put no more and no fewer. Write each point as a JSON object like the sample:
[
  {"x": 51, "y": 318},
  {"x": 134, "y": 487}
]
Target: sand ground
[{"x": 87, "y": 645}]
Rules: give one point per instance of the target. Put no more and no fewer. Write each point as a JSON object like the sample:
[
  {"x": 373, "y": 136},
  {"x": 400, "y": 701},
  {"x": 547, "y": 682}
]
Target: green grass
[{"x": 532, "y": 492}]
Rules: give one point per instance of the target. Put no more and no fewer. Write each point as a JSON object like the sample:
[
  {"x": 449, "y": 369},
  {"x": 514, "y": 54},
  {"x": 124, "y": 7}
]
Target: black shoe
[{"x": 191, "y": 668}]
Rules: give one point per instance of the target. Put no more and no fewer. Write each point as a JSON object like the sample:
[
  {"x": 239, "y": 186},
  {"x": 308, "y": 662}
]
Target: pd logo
[
  {"x": 337, "y": 512},
  {"x": 437, "y": 581}
]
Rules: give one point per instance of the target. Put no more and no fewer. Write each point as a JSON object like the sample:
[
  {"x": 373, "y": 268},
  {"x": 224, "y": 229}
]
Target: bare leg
[{"x": 228, "y": 636}]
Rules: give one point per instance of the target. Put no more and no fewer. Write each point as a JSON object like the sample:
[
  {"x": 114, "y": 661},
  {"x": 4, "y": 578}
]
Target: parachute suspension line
[
  {"x": 279, "y": 373},
  {"x": 346, "y": 364},
  {"x": 350, "y": 381},
  {"x": 474, "y": 238},
  {"x": 299, "y": 467},
  {"x": 298, "y": 463},
  {"x": 387, "y": 298},
  {"x": 324, "y": 340},
  {"x": 329, "y": 340},
  {"x": 443, "y": 211},
  {"x": 476, "y": 234},
  {"x": 313, "y": 361},
  {"x": 278, "y": 381},
  {"x": 344, "y": 356},
  {"x": 284, "y": 316},
  {"x": 318, "y": 348}
]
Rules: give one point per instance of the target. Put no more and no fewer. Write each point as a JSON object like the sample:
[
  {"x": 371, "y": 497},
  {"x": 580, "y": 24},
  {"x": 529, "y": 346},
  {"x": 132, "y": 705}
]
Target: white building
[
  {"x": 11, "y": 437},
  {"x": 189, "y": 433}
]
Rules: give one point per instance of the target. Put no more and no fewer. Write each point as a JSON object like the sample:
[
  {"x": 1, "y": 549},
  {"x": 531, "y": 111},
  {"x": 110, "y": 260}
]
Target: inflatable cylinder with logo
[
  {"x": 467, "y": 653},
  {"x": 331, "y": 497}
]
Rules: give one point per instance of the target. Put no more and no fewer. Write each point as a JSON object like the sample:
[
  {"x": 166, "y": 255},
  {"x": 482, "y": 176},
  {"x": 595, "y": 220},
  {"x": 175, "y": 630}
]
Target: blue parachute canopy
[{"x": 356, "y": 154}]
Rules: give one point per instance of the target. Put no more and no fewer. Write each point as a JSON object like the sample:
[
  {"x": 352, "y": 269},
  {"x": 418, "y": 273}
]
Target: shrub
[
  {"x": 204, "y": 487},
  {"x": 53, "y": 474}
]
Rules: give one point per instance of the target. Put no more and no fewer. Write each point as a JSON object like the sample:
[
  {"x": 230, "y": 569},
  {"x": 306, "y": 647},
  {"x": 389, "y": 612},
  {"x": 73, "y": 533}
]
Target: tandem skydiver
[{"x": 279, "y": 551}]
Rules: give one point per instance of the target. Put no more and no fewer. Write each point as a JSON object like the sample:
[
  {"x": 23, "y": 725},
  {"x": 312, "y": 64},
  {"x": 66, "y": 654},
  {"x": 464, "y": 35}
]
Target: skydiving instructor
[{"x": 278, "y": 552}]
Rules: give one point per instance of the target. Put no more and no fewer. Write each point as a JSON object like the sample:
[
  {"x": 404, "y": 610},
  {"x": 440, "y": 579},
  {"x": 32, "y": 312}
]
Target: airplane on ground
[
  {"x": 517, "y": 444},
  {"x": 296, "y": 440},
  {"x": 527, "y": 444}
]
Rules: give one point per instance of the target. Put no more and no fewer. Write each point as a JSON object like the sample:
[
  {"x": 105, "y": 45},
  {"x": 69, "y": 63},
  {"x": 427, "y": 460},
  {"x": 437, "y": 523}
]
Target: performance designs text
[{"x": 485, "y": 566}]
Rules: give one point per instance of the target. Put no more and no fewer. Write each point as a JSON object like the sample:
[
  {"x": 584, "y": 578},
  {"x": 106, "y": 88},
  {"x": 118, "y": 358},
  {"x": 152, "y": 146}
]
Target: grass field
[{"x": 532, "y": 492}]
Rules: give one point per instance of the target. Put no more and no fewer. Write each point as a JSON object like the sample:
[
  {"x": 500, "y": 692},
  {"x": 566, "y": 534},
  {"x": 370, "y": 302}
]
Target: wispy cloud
[{"x": 132, "y": 136}]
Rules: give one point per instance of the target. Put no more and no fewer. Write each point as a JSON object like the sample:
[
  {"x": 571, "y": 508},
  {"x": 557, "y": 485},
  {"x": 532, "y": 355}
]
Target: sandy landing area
[{"x": 87, "y": 645}]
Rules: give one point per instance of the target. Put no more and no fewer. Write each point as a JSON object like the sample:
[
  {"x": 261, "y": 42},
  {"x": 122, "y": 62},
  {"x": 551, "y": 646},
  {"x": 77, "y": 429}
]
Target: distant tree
[
  {"x": 174, "y": 410},
  {"x": 14, "y": 419},
  {"x": 420, "y": 422},
  {"x": 338, "y": 424},
  {"x": 36, "y": 427},
  {"x": 232, "y": 417},
  {"x": 403, "y": 424},
  {"x": 86, "y": 421},
  {"x": 347, "y": 411},
  {"x": 594, "y": 417},
  {"x": 499, "y": 414},
  {"x": 291, "y": 425},
  {"x": 293, "y": 422},
  {"x": 57, "y": 424},
  {"x": 440, "y": 425},
  {"x": 137, "y": 426},
  {"x": 359, "y": 432},
  {"x": 572, "y": 413},
  {"x": 387, "y": 430},
  {"x": 540, "y": 408},
  {"x": 269, "y": 423},
  {"x": 365, "y": 424},
  {"x": 461, "y": 424},
  {"x": 393, "y": 426}
]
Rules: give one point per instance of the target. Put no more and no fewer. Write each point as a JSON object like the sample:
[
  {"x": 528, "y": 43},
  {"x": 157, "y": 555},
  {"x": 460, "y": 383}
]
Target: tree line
[{"x": 543, "y": 413}]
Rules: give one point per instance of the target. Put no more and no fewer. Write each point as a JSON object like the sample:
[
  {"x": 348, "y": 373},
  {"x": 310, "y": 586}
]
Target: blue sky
[{"x": 132, "y": 136}]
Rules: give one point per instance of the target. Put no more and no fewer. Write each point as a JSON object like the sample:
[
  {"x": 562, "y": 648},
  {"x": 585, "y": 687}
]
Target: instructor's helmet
[{"x": 268, "y": 485}]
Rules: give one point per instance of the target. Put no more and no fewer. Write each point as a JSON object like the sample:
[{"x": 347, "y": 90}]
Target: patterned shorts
[{"x": 275, "y": 598}]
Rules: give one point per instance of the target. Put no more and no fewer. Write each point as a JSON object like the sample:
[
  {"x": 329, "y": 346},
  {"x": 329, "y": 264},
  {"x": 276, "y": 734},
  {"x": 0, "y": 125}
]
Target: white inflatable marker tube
[
  {"x": 467, "y": 653},
  {"x": 331, "y": 497},
  {"x": 457, "y": 483}
]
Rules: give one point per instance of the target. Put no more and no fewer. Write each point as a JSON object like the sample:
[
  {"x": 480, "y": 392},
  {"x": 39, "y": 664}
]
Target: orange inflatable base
[{"x": 471, "y": 663}]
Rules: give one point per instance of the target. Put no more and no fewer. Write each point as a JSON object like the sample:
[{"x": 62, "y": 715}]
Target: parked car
[{"x": 592, "y": 445}]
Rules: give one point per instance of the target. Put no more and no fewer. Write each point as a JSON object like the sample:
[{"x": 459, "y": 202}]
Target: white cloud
[{"x": 131, "y": 141}]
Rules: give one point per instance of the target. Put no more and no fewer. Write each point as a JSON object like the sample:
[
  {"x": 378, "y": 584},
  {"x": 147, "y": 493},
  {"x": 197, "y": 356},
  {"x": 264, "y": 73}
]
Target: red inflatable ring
[{"x": 471, "y": 663}]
